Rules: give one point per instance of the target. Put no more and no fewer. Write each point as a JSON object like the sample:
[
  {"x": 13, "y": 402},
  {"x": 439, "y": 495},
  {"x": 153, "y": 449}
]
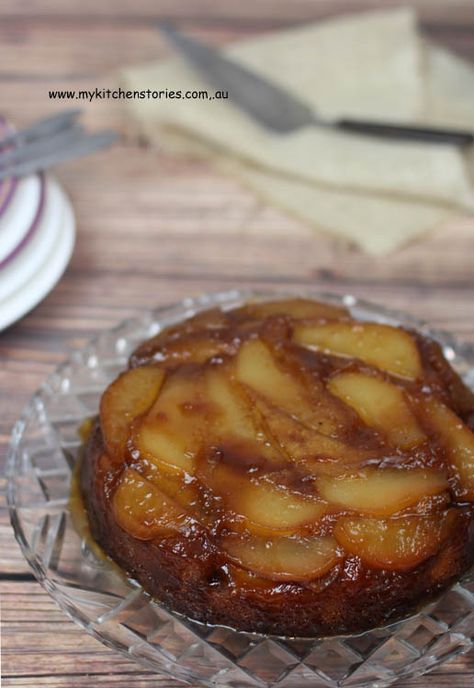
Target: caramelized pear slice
[
  {"x": 142, "y": 510},
  {"x": 173, "y": 484},
  {"x": 458, "y": 441},
  {"x": 130, "y": 395},
  {"x": 298, "y": 309},
  {"x": 398, "y": 543},
  {"x": 381, "y": 492},
  {"x": 233, "y": 416},
  {"x": 172, "y": 431},
  {"x": 233, "y": 422},
  {"x": 177, "y": 338},
  {"x": 267, "y": 508},
  {"x": 294, "y": 559},
  {"x": 260, "y": 505},
  {"x": 385, "y": 347},
  {"x": 197, "y": 347},
  {"x": 257, "y": 368},
  {"x": 318, "y": 453},
  {"x": 210, "y": 319},
  {"x": 244, "y": 578},
  {"x": 380, "y": 405}
]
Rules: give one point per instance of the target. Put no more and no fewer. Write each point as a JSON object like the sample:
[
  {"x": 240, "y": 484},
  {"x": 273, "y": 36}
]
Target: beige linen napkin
[{"x": 377, "y": 193}]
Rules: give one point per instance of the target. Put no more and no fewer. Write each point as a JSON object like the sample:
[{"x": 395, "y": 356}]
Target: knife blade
[{"x": 278, "y": 110}]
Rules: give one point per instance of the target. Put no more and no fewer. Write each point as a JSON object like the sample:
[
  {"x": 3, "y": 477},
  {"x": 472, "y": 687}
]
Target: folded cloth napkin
[{"x": 378, "y": 194}]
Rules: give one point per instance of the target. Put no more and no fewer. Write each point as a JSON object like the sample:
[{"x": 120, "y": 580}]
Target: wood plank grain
[
  {"x": 49, "y": 46},
  {"x": 123, "y": 680},
  {"x": 202, "y": 11}
]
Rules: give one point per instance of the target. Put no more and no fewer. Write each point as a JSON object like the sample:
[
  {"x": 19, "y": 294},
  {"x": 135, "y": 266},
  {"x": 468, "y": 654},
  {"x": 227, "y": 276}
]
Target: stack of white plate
[{"x": 37, "y": 230}]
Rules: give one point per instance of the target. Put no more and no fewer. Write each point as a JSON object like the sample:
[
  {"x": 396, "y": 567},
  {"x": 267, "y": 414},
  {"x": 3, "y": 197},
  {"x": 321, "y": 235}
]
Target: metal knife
[{"x": 279, "y": 110}]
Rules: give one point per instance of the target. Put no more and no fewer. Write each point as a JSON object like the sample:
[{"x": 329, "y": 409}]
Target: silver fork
[{"x": 47, "y": 142}]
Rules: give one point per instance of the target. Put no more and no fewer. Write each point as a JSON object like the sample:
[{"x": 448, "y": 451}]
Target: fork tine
[
  {"x": 43, "y": 145},
  {"x": 42, "y": 127},
  {"x": 86, "y": 144}
]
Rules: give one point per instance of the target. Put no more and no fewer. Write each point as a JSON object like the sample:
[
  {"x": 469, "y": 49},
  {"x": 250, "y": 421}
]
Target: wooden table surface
[{"x": 153, "y": 229}]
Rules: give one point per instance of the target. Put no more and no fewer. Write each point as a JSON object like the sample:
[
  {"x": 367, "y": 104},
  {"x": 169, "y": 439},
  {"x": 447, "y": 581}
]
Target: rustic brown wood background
[{"x": 151, "y": 230}]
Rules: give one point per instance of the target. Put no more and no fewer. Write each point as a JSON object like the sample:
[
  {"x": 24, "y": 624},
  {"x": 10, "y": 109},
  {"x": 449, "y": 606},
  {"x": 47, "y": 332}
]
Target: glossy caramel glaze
[{"x": 285, "y": 469}]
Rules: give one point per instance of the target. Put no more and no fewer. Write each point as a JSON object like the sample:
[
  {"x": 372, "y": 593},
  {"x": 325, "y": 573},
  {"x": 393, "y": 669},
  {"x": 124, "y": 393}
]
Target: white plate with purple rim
[
  {"x": 57, "y": 228},
  {"x": 7, "y": 189},
  {"x": 17, "y": 221},
  {"x": 42, "y": 236},
  {"x": 7, "y": 186}
]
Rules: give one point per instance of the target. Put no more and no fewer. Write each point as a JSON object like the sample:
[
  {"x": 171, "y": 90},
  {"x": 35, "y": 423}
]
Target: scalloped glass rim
[{"x": 121, "y": 615}]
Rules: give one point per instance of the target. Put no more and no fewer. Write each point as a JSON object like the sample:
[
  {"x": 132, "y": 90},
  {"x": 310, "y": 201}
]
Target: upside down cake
[{"x": 284, "y": 468}]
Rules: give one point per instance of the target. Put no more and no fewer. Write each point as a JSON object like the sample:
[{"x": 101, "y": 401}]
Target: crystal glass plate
[{"x": 117, "y": 611}]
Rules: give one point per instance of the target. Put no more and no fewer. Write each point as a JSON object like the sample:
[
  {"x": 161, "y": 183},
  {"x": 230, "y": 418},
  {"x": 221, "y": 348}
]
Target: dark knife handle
[{"x": 411, "y": 133}]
